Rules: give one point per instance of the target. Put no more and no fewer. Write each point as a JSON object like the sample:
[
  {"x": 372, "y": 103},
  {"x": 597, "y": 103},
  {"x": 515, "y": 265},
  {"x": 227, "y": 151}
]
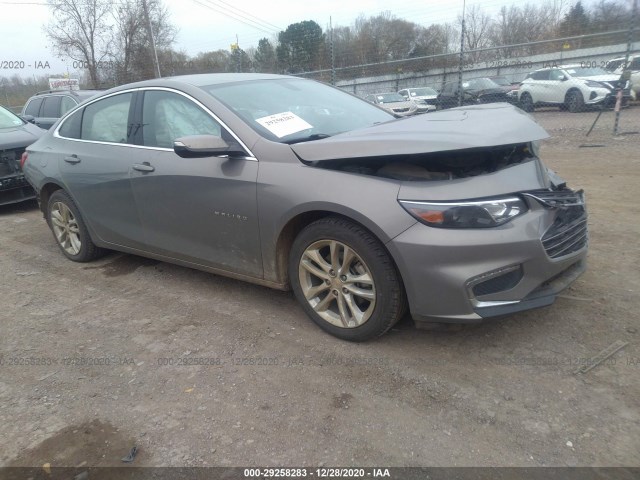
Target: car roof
[
  {"x": 203, "y": 79},
  {"x": 76, "y": 93}
]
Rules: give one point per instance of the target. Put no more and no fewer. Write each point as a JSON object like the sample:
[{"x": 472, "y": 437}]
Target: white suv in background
[
  {"x": 570, "y": 87},
  {"x": 616, "y": 66}
]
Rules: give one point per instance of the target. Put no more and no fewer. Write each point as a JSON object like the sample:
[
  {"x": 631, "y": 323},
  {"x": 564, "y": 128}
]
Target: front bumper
[
  {"x": 441, "y": 267},
  {"x": 15, "y": 189}
]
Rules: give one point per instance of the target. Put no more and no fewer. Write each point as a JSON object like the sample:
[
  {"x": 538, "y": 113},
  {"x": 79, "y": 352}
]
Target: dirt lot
[{"x": 200, "y": 370}]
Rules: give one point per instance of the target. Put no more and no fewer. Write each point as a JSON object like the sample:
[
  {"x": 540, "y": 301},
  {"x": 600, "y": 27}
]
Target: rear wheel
[
  {"x": 69, "y": 229},
  {"x": 575, "y": 101},
  {"x": 345, "y": 280},
  {"x": 526, "y": 102}
]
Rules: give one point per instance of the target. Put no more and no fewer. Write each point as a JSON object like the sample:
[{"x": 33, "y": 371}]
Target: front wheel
[
  {"x": 345, "y": 280},
  {"x": 575, "y": 101}
]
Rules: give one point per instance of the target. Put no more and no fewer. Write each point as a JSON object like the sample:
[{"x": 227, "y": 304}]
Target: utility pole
[
  {"x": 460, "y": 93},
  {"x": 625, "y": 77},
  {"x": 333, "y": 57},
  {"x": 151, "y": 39}
]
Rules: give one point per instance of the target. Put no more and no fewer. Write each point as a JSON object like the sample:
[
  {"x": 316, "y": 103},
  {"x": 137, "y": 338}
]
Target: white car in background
[
  {"x": 393, "y": 103},
  {"x": 616, "y": 66},
  {"x": 424, "y": 98},
  {"x": 570, "y": 87}
]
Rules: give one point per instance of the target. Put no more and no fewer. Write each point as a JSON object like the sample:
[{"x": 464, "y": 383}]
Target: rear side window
[
  {"x": 33, "y": 108},
  {"x": 66, "y": 104},
  {"x": 71, "y": 126},
  {"x": 51, "y": 107},
  {"x": 107, "y": 120}
]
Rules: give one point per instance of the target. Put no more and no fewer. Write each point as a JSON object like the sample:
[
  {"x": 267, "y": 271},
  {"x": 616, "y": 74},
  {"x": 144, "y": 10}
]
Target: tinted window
[
  {"x": 635, "y": 64},
  {"x": 107, "y": 120},
  {"x": 33, "y": 108},
  {"x": 542, "y": 75},
  {"x": 167, "y": 116},
  {"x": 71, "y": 126},
  {"x": 51, "y": 107},
  {"x": 66, "y": 104}
]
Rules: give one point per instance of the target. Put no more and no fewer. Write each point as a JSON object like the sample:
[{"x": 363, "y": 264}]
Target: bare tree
[
  {"x": 477, "y": 30},
  {"x": 80, "y": 30},
  {"x": 133, "y": 57}
]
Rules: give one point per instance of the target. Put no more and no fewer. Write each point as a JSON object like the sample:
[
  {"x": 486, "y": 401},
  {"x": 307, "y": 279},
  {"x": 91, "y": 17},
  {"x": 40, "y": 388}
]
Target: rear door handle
[
  {"x": 72, "y": 159},
  {"x": 143, "y": 167}
]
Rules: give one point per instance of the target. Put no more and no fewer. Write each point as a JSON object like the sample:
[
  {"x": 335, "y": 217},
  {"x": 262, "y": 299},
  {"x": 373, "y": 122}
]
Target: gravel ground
[{"x": 196, "y": 369}]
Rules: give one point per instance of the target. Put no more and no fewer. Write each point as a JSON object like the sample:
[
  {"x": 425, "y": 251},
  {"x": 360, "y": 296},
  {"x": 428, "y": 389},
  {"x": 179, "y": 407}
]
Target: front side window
[
  {"x": 167, "y": 116},
  {"x": 555, "y": 75},
  {"x": 106, "y": 120},
  {"x": 541, "y": 75},
  {"x": 51, "y": 107}
]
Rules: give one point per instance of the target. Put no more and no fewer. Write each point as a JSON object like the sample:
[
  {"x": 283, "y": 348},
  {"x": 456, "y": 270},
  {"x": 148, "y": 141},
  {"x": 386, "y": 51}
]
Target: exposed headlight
[
  {"x": 592, "y": 84},
  {"x": 472, "y": 214}
]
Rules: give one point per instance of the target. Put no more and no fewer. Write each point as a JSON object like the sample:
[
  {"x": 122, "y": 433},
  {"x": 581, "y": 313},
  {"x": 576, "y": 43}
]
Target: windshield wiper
[{"x": 314, "y": 136}]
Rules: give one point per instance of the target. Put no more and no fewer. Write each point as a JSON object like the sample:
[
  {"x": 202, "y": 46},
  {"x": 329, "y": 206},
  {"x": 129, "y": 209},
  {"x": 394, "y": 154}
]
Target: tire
[
  {"x": 574, "y": 101},
  {"x": 526, "y": 102},
  {"x": 69, "y": 230},
  {"x": 350, "y": 310}
]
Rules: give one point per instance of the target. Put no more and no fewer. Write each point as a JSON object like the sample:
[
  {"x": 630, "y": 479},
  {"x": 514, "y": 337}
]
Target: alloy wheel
[
  {"x": 337, "y": 283},
  {"x": 65, "y": 228}
]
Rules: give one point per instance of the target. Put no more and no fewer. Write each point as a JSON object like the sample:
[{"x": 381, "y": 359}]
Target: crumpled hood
[
  {"x": 19, "y": 136},
  {"x": 455, "y": 129}
]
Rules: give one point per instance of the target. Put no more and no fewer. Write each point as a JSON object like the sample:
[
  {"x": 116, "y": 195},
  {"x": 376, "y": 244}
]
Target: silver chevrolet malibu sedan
[{"x": 293, "y": 184}]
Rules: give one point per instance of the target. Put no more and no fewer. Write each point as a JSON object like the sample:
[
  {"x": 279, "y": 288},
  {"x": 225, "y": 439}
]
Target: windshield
[
  {"x": 8, "y": 119},
  {"x": 422, "y": 92},
  {"x": 501, "y": 81},
  {"x": 480, "y": 84},
  {"x": 389, "y": 97},
  {"x": 586, "y": 72},
  {"x": 291, "y": 109}
]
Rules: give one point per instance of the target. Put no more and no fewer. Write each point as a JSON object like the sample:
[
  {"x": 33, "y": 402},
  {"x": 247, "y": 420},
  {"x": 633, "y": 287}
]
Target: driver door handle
[
  {"x": 143, "y": 167},
  {"x": 72, "y": 159}
]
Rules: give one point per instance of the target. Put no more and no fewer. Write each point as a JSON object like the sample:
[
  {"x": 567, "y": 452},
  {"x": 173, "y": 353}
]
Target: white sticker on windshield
[{"x": 283, "y": 124}]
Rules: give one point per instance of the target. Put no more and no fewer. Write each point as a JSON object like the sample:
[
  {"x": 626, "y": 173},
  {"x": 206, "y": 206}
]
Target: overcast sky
[{"x": 204, "y": 26}]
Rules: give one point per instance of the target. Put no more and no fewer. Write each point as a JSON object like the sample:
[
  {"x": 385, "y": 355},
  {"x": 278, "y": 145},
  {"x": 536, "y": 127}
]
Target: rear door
[
  {"x": 49, "y": 112},
  {"x": 200, "y": 210},
  {"x": 95, "y": 163}
]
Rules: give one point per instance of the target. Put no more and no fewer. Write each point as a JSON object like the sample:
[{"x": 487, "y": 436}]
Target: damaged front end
[
  {"x": 496, "y": 232},
  {"x": 14, "y": 187}
]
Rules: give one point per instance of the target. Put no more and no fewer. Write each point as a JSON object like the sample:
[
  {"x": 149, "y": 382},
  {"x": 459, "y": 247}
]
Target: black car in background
[
  {"x": 45, "y": 108},
  {"x": 15, "y": 136},
  {"x": 474, "y": 92}
]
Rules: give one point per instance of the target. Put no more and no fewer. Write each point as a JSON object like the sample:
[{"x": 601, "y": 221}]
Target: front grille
[
  {"x": 568, "y": 233},
  {"x": 10, "y": 161},
  {"x": 9, "y": 183}
]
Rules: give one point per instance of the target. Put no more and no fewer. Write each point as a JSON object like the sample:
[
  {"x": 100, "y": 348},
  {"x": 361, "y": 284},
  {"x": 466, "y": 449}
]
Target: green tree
[
  {"x": 264, "y": 59},
  {"x": 300, "y": 47}
]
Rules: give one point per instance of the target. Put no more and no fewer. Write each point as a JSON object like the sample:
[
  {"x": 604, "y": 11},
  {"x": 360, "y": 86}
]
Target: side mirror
[
  {"x": 562, "y": 78},
  {"x": 28, "y": 118},
  {"x": 197, "y": 146}
]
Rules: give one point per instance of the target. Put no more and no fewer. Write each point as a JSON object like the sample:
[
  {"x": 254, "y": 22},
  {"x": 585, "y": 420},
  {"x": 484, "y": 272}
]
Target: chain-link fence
[{"x": 587, "y": 85}]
